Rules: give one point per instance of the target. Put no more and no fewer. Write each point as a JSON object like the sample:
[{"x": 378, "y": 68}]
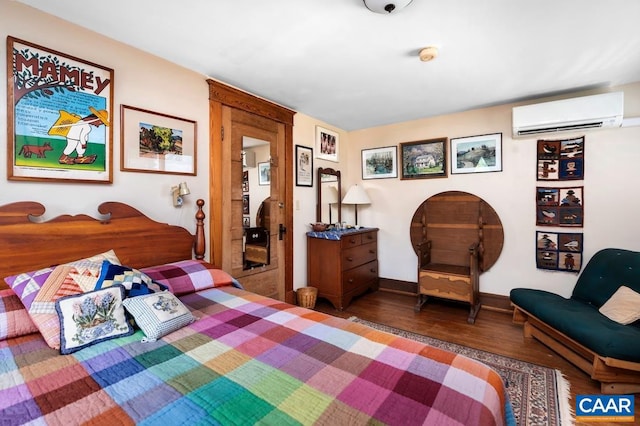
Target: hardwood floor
[{"x": 493, "y": 331}]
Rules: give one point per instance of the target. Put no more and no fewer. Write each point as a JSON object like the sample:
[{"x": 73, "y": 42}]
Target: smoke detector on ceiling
[
  {"x": 428, "y": 53},
  {"x": 386, "y": 6}
]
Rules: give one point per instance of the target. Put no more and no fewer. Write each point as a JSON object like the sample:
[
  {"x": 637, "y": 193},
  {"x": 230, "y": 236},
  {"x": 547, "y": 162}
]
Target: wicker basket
[{"x": 307, "y": 297}]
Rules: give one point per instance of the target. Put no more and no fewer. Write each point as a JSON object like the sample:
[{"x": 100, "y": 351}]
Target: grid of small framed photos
[{"x": 560, "y": 205}]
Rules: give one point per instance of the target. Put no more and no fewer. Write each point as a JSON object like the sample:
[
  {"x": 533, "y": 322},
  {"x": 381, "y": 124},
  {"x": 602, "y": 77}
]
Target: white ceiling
[{"x": 340, "y": 63}]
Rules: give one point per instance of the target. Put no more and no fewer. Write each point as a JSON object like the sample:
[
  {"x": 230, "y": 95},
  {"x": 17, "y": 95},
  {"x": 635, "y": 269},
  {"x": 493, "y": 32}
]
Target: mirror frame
[{"x": 328, "y": 171}]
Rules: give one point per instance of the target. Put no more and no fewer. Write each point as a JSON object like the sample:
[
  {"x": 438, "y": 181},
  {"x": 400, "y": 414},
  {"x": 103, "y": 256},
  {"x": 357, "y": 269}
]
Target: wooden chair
[
  {"x": 256, "y": 250},
  {"x": 456, "y": 236}
]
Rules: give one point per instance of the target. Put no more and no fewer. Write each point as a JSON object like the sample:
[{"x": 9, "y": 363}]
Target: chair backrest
[
  {"x": 605, "y": 272},
  {"x": 257, "y": 235}
]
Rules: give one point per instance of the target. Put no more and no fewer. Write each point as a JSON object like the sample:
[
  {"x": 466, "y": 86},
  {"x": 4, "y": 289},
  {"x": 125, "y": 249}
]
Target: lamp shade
[
  {"x": 183, "y": 189},
  {"x": 356, "y": 195},
  {"x": 331, "y": 195}
]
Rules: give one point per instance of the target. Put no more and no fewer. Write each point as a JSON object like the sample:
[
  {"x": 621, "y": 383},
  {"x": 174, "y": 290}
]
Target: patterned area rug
[{"x": 538, "y": 395}]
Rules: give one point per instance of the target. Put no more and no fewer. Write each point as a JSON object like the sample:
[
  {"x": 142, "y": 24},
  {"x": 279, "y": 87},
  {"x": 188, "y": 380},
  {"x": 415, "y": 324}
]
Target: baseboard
[{"x": 494, "y": 302}]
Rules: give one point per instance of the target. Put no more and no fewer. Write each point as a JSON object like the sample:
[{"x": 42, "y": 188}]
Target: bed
[{"x": 241, "y": 359}]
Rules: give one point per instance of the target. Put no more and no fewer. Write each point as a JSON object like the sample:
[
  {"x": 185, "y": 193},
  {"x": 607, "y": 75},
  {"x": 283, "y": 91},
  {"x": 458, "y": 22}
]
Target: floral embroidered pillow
[
  {"x": 39, "y": 290},
  {"x": 158, "y": 314},
  {"x": 89, "y": 318}
]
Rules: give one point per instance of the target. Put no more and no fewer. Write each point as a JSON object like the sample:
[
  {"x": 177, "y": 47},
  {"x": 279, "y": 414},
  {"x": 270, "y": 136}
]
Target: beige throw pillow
[{"x": 623, "y": 307}]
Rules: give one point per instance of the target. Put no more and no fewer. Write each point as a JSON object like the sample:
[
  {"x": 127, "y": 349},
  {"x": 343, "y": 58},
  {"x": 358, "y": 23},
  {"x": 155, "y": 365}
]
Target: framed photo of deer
[
  {"x": 59, "y": 116},
  {"x": 153, "y": 142}
]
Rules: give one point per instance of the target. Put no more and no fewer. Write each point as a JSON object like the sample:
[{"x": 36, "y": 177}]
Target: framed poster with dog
[{"x": 59, "y": 116}]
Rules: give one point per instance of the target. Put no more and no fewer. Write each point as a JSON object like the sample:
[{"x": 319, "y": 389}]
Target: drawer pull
[
  {"x": 349, "y": 258},
  {"x": 372, "y": 251},
  {"x": 352, "y": 241},
  {"x": 350, "y": 280},
  {"x": 373, "y": 270}
]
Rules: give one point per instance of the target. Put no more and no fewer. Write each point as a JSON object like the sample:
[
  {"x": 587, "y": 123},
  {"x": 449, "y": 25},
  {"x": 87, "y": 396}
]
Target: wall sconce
[
  {"x": 178, "y": 192},
  {"x": 356, "y": 195}
]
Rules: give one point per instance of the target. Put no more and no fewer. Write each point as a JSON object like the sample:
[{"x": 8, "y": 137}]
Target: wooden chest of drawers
[{"x": 345, "y": 267}]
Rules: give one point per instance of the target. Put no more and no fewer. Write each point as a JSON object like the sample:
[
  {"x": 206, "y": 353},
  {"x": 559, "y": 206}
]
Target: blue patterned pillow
[
  {"x": 158, "y": 314},
  {"x": 92, "y": 317},
  {"x": 135, "y": 282}
]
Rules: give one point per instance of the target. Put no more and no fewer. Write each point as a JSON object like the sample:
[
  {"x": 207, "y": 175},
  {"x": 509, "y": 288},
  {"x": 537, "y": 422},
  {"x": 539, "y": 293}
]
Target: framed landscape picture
[
  {"x": 153, "y": 142},
  {"x": 380, "y": 163},
  {"x": 424, "y": 159},
  {"x": 476, "y": 154},
  {"x": 264, "y": 173}
]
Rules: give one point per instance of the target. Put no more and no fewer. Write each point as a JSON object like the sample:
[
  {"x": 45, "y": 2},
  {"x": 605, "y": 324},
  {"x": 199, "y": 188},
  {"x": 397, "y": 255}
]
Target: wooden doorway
[{"x": 234, "y": 116}]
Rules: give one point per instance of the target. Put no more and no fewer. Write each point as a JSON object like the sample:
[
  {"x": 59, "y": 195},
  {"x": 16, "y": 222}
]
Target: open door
[{"x": 241, "y": 122}]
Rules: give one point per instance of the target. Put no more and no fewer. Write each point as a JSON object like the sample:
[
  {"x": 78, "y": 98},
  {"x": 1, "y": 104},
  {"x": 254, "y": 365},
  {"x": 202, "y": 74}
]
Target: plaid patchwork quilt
[{"x": 248, "y": 359}]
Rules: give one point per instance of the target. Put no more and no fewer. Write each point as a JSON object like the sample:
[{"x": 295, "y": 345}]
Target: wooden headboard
[{"x": 28, "y": 243}]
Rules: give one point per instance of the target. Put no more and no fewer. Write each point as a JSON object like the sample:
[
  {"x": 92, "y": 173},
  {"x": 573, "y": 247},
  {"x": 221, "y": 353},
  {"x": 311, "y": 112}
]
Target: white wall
[
  {"x": 140, "y": 80},
  {"x": 611, "y": 202}
]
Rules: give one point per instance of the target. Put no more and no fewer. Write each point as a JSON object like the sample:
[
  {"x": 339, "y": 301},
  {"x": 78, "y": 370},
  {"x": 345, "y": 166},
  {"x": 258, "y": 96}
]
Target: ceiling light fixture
[
  {"x": 386, "y": 6},
  {"x": 428, "y": 53}
]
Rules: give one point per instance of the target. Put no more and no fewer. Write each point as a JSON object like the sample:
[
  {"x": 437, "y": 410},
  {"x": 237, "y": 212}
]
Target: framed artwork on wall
[
  {"x": 245, "y": 181},
  {"x": 304, "y": 166},
  {"x": 476, "y": 154},
  {"x": 245, "y": 204},
  {"x": 561, "y": 159},
  {"x": 59, "y": 116},
  {"x": 380, "y": 163},
  {"x": 264, "y": 173},
  {"x": 153, "y": 142},
  {"x": 559, "y": 251},
  {"x": 424, "y": 159},
  {"x": 327, "y": 144},
  {"x": 560, "y": 206}
]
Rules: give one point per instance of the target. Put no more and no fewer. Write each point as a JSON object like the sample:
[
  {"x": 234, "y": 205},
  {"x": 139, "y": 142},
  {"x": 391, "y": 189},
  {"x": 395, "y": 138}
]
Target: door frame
[{"x": 222, "y": 95}]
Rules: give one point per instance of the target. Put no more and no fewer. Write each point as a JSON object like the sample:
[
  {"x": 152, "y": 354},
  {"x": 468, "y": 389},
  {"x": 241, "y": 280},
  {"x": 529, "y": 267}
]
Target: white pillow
[
  {"x": 158, "y": 314},
  {"x": 623, "y": 307}
]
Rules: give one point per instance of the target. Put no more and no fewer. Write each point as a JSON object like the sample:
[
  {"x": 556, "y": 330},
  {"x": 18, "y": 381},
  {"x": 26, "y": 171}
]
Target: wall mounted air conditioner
[
  {"x": 248, "y": 159},
  {"x": 587, "y": 112}
]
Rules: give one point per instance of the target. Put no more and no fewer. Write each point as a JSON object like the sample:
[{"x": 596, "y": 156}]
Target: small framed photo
[
  {"x": 152, "y": 142},
  {"x": 380, "y": 163},
  {"x": 327, "y": 144},
  {"x": 304, "y": 166},
  {"x": 476, "y": 154},
  {"x": 245, "y": 181},
  {"x": 264, "y": 173},
  {"x": 245, "y": 204},
  {"x": 246, "y": 221},
  {"x": 424, "y": 159}
]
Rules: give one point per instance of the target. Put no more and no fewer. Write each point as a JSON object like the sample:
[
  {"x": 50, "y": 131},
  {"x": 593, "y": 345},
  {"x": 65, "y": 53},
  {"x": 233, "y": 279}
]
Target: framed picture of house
[
  {"x": 424, "y": 159},
  {"x": 327, "y": 144},
  {"x": 380, "y": 163},
  {"x": 59, "y": 116},
  {"x": 476, "y": 154}
]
